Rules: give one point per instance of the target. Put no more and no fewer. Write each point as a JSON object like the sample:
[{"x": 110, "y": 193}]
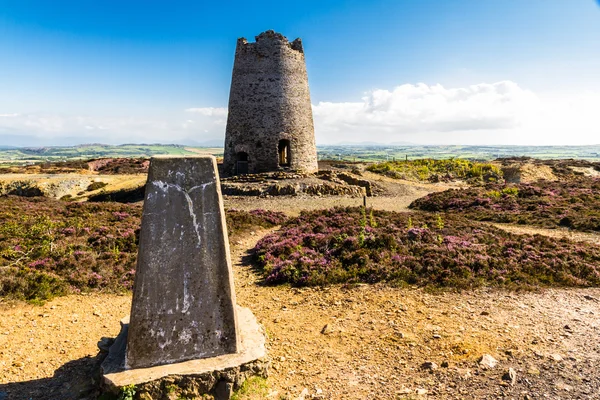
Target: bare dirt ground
[
  {"x": 558, "y": 233},
  {"x": 361, "y": 342},
  {"x": 343, "y": 342},
  {"x": 58, "y": 185}
]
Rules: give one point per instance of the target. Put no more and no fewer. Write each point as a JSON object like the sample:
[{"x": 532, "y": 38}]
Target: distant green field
[
  {"x": 482, "y": 153},
  {"x": 23, "y": 155}
]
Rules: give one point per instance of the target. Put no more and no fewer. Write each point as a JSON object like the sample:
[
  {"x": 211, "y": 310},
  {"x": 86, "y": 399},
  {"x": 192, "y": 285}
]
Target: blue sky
[{"x": 424, "y": 71}]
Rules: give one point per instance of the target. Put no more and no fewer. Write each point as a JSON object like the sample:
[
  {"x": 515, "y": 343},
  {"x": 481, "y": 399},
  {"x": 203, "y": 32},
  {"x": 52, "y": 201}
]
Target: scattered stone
[
  {"x": 485, "y": 313},
  {"x": 421, "y": 391},
  {"x": 487, "y": 361},
  {"x": 327, "y": 330},
  {"x": 430, "y": 365},
  {"x": 303, "y": 394},
  {"x": 533, "y": 371},
  {"x": 510, "y": 375},
  {"x": 18, "y": 364},
  {"x": 224, "y": 390},
  {"x": 445, "y": 364},
  {"x": 556, "y": 357},
  {"x": 437, "y": 336},
  {"x": 97, "y": 314},
  {"x": 464, "y": 373}
]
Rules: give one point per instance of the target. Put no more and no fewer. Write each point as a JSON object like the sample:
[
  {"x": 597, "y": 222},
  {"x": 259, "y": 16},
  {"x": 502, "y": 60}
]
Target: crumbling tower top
[{"x": 273, "y": 36}]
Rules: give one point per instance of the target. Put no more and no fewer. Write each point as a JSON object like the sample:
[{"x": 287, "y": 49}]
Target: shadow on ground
[
  {"x": 76, "y": 380},
  {"x": 248, "y": 261}
]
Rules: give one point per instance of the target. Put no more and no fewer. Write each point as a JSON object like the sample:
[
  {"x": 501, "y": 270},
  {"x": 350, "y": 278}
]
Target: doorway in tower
[
  {"x": 284, "y": 153},
  {"x": 241, "y": 163}
]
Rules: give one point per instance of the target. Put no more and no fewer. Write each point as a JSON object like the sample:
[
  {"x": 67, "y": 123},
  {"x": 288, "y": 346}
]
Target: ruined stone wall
[{"x": 269, "y": 101}]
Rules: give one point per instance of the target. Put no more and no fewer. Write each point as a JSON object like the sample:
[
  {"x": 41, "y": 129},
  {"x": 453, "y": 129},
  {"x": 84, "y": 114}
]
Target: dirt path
[
  {"x": 50, "y": 351},
  {"x": 342, "y": 343},
  {"x": 559, "y": 233}
]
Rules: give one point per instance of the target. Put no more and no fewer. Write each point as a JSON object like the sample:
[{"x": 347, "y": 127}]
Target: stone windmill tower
[{"x": 270, "y": 124}]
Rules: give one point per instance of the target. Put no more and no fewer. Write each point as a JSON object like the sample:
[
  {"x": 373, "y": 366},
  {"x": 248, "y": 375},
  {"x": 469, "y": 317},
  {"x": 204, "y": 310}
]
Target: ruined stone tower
[{"x": 270, "y": 124}]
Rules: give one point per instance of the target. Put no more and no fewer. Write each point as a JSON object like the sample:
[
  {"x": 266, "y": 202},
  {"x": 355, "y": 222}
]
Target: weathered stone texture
[
  {"x": 183, "y": 301},
  {"x": 269, "y": 101},
  {"x": 200, "y": 378}
]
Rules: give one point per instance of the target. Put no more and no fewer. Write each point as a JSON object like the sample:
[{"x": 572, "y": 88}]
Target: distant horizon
[{"x": 342, "y": 144}]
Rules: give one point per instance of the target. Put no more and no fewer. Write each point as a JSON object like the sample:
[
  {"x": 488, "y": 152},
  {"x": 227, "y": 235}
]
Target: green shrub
[
  {"x": 426, "y": 169},
  {"x": 96, "y": 185}
]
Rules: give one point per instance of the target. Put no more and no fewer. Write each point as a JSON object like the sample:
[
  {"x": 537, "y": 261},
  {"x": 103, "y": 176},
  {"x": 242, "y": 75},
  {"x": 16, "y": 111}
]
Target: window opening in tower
[{"x": 284, "y": 153}]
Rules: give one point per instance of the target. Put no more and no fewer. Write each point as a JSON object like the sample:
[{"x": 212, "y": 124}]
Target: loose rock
[
  {"x": 510, "y": 375},
  {"x": 487, "y": 361}
]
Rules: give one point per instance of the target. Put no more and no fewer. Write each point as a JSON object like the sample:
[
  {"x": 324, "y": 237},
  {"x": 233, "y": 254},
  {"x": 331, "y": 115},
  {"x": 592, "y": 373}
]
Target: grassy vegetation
[
  {"x": 349, "y": 245},
  {"x": 239, "y": 222},
  {"x": 51, "y": 247},
  {"x": 574, "y": 204},
  {"x": 22, "y": 155},
  {"x": 378, "y": 153},
  {"x": 431, "y": 169},
  {"x": 361, "y": 152},
  {"x": 252, "y": 388}
]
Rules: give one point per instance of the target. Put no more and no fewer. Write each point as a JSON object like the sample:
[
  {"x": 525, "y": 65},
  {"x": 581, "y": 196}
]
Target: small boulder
[
  {"x": 487, "y": 361},
  {"x": 556, "y": 357},
  {"x": 510, "y": 375},
  {"x": 430, "y": 365}
]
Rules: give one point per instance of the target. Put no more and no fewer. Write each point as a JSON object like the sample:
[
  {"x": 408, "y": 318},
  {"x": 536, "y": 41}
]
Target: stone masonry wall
[{"x": 269, "y": 101}]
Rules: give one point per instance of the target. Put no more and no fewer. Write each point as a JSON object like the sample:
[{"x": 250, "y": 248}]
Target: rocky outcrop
[
  {"x": 291, "y": 189},
  {"x": 214, "y": 384},
  {"x": 323, "y": 183},
  {"x": 342, "y": 177},
  {"x": 49, "y": 188}
]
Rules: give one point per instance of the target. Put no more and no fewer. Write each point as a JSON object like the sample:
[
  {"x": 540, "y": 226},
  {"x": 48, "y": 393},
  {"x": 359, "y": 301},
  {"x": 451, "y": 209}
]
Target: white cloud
[
  {"x": 46, "y": 128},
  {"x": 209, "y": 111},
  {"x": 498, "y": 113}
]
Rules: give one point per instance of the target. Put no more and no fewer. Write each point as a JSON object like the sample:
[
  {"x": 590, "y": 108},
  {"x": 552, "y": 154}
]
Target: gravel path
[{"x": 558, "y": 233}]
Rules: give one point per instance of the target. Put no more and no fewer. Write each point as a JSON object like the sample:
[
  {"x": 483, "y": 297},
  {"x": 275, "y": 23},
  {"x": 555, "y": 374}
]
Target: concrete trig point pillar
[{"x": 184, "y": 319}]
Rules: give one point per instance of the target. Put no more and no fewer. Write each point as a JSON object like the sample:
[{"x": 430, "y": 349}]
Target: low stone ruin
[{"x": 323, "y": 183}]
